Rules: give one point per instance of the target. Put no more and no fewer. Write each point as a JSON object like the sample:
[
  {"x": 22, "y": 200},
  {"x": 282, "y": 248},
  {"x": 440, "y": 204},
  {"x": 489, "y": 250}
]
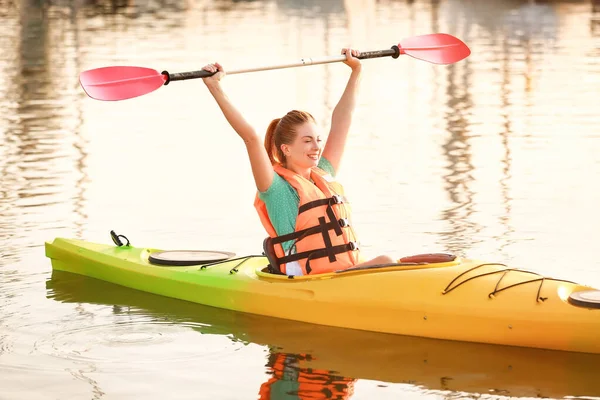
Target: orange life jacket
[
  {"x": 323, "y": 237},
  {"x": 292, "y": 376}
]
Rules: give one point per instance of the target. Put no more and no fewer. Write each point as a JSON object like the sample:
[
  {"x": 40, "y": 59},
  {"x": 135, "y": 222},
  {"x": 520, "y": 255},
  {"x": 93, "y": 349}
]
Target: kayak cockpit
[
  {"x": 182, "y": 258},
  {"x": 420, "y": 261},
  {"x": 410, "y": 262}
]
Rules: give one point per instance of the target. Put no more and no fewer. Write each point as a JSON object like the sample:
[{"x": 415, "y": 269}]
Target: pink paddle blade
[
  {"x": 437, "y": 48},
  {"x": 120, "y": 83}
]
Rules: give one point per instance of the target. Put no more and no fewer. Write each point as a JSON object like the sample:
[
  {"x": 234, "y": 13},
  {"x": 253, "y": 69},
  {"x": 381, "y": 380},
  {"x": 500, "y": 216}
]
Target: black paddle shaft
[{"x": 394, "y": 52}]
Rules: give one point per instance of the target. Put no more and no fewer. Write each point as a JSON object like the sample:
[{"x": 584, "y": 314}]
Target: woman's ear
[{"x": 285, "y": 149}]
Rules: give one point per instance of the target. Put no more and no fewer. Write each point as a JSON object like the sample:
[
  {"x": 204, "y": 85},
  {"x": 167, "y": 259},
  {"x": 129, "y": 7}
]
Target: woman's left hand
[{"x": 351, "y": 59}]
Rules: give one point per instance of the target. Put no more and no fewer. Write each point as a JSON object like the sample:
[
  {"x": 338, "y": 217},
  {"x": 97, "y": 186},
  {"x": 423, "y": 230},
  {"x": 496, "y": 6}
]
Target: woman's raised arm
[
  {"x": 341, "y": 118},
  {"x": 259, "y": 159}
]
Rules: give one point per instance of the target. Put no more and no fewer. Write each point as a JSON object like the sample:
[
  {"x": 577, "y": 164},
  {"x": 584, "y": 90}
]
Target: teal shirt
[{"x": 282, "y": 202}]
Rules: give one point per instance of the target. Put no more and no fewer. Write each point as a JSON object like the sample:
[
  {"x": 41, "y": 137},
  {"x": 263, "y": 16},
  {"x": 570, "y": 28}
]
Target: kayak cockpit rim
[{"x": 263, "y": 274}]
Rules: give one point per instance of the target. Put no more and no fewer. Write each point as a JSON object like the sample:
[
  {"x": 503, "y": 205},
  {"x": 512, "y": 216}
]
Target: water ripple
[
  {"x": 118, "y": 343},
  {"x": 5, "y": 342}
]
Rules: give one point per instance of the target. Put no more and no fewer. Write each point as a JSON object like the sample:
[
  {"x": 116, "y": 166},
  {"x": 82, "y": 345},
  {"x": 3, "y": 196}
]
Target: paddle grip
[
  {"x": 181, "y": 76},
  {"x": 394, "y": 52}
]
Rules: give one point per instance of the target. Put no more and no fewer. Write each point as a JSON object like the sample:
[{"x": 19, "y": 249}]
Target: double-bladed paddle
[{"x": 126, "y": 82}]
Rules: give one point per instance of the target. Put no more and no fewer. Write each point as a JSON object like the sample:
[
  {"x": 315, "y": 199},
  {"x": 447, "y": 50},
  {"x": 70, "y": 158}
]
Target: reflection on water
[
  {"x": 460, "y": 167},
  {"x": 293, "y": 375},
  {"x": 493, "y": 157},
  {"x": 43, "y": 152}
]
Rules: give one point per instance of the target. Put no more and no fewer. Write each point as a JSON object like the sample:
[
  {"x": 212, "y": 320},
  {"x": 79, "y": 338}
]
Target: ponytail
[
  {"x": 282, "y": 131},
  {"x": 270, "y": 143}
]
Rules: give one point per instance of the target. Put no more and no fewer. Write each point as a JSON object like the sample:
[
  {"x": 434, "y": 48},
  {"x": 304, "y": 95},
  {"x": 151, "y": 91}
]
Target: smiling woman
[
  {"x": 294, "y": 142},
  {"x": 301, "y": 206}
]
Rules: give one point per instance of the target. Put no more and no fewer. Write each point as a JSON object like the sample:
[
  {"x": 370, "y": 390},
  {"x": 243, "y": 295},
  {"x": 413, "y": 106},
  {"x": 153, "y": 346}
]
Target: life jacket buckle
[
  {"x": 344, "y": 222},
  {"x": 353, "y": 246},
  {"x": 336, "y": 199}
]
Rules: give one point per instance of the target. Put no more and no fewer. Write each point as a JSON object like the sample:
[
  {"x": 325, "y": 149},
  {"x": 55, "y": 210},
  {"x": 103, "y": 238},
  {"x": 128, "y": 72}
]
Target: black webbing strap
[
  {"x": 336, "y": 227},
  {"x": 313, "y": 204},
  {"x": 335, "y": 224},
  {"x": 342, "y": 248},
  {"x": 326, "y": 240},
  {"x": 329, "y": 202},
  {"x": 335, "y": 199}
]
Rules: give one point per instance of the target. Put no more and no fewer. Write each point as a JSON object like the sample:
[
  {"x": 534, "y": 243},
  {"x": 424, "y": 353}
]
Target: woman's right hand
[{"x": 216, "y": 67}]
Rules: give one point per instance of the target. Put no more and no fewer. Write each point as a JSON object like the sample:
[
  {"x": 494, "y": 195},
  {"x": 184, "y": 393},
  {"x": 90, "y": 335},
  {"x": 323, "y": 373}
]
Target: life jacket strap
[
  {"x": 335, "y": 199},
  {"x": 335, "y": 225},
  {"x": 329, "y": 202},
  {"x": 326, "y": 241},
  {"x": 320, "y": 253}
]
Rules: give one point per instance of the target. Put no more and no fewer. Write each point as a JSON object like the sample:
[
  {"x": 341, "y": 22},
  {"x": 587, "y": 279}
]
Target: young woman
[{"x": 299, "y": 203}]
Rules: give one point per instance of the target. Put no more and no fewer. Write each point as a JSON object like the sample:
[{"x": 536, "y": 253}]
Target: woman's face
[{"x": 306, "y": 149}]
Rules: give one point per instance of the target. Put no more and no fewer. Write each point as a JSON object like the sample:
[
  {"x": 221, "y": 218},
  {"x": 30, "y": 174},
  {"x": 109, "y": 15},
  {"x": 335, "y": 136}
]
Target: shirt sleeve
[
  {"x": 275, "y": 187},
  {"x": 326, "y": 166}
]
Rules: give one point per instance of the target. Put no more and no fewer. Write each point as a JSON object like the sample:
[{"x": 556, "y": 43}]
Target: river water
[{"x": 495, "y": 157}]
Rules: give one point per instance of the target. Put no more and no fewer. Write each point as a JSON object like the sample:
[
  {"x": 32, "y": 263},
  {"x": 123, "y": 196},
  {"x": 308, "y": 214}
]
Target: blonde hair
[{"x": 283, "y": 131}]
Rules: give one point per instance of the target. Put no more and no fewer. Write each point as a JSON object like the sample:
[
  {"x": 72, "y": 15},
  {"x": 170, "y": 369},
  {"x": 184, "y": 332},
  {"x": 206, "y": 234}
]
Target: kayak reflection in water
[
  {"x": 299, "y": 202},
  {"x": 294, "y": 379}
]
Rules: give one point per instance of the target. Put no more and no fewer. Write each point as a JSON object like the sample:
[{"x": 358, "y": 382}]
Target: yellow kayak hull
[{"x": 463, "y": 300}]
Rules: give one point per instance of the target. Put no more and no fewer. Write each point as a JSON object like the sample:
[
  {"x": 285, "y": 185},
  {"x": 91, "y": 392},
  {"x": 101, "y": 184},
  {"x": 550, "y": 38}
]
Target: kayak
[
  {"x": 458, "y": 299},
  {"x": 426, "y": 363}
]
